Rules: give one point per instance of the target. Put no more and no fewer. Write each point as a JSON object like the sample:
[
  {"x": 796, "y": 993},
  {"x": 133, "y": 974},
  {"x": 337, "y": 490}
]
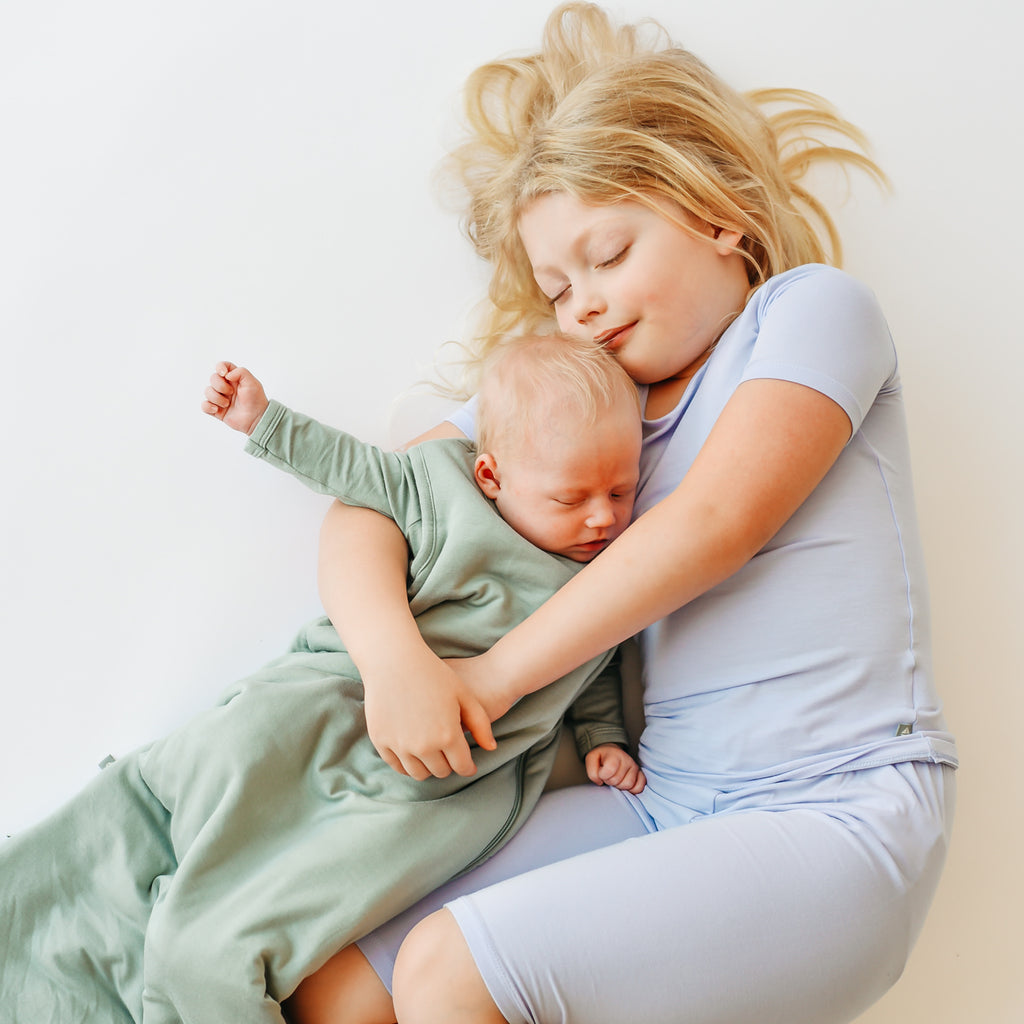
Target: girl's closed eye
[
  {"x": 617, "y": 258},
  {"x": 604, "y": 264},
  {"x": 555, "y": 300}
]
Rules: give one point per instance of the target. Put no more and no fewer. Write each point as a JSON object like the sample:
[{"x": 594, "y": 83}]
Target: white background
[{"x": 184, "y": 182}]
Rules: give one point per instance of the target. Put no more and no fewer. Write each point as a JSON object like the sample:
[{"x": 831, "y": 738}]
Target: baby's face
[{"x": 570, "y": 491}]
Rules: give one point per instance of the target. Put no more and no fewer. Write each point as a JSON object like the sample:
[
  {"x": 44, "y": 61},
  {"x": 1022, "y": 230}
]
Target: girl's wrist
[
  {"x": 506, "y": 681},
  {"x": 394, "y": 662}
]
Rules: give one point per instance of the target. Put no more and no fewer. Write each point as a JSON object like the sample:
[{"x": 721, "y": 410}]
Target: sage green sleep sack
[{"x": 200, "y": 878}]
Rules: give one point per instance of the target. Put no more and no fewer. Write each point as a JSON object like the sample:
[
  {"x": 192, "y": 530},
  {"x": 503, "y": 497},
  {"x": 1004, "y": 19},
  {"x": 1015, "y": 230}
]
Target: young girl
[{"x": 780, "y": 862}]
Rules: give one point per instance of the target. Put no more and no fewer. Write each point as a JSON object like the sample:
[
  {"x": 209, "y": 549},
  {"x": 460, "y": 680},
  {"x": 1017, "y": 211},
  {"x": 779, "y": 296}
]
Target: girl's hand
[
  {"x": 480, "y": 677},
  {"x": 235, "y": 397},
  {"x": 609, "y": 765},
  {"x": 416, "y": 707},
  {"x": 417, "y": 717}
]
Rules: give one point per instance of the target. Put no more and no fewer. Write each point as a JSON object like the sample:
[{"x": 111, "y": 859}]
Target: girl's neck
[{"x": 664, "y": 396}]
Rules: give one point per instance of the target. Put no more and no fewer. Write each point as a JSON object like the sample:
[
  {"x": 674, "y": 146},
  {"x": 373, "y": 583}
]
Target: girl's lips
[{"x": 612, "y": 339}]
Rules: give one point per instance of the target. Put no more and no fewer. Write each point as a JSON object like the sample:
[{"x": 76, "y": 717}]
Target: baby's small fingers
[
  {"x": 218, "y": 399},
  {"x": 640, "y": 784},
  {"x": 222, "y": 383}
]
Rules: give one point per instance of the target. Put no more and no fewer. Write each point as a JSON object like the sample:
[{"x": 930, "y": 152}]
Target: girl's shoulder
[
  {"x": 818, "y": 326},
  {"x": 815, "y": 287},
  {"x": 818, "y": 308}
]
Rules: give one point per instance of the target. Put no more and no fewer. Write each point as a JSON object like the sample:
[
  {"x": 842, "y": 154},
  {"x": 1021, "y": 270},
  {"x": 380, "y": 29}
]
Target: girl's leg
[
  {"x": 451, "y": 981},
  {"x": 346, "y": 990},
  {"x": 799, "y": 909},
  {"x": 565, "y": 823}
]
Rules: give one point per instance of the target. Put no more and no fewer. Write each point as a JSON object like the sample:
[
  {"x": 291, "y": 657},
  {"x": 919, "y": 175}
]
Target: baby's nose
[{"x": 600, "y": 514}]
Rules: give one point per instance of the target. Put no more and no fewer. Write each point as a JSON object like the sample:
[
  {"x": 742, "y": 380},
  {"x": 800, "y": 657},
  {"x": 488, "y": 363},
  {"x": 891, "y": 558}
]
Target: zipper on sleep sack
[{"x": 503, "y": 832}]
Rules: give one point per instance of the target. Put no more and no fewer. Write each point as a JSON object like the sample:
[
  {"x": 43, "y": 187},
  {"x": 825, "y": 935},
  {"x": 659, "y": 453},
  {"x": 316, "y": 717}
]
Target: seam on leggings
[{"x": 467, "y": 916}]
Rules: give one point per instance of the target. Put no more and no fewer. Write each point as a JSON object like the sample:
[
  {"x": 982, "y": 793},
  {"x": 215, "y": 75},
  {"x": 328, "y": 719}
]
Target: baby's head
[{"x": 559, "y": 442}]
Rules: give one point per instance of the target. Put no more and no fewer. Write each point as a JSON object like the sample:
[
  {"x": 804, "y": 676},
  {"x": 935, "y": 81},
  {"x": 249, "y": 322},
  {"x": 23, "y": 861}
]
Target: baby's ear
[{"x": 485, "y": 469}]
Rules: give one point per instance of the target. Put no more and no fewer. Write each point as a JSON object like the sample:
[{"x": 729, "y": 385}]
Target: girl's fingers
[{"x": 415, "y": 768}]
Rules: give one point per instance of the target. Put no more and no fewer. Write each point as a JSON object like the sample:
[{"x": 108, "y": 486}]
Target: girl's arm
[
  {"x": 769, "y": 449},
  {"x": 416, "y": 707},
  {"x": 771, "y": 446}
]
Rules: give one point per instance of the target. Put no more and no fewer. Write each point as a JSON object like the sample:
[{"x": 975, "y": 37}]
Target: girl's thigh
[
  {"x": 565, "y": 823},
  {"x": 801, "y": 913}
]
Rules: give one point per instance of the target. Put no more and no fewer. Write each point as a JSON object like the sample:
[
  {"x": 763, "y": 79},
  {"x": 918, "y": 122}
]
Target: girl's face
[{"x": 628, "y": 278}]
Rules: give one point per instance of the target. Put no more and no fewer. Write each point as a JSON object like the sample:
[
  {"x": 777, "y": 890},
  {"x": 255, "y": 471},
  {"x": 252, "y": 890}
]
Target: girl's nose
[{"x": 587, "y": 304}]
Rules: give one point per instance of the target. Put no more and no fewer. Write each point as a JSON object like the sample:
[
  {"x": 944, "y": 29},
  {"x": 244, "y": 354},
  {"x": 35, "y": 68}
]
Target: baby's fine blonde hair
[
  {"x": 531, "y": 384},
  {"x": 608, "y": 113}
]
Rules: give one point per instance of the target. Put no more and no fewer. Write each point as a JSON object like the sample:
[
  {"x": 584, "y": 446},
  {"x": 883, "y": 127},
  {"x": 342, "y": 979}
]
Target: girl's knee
[{"x": 436, "y": 978}]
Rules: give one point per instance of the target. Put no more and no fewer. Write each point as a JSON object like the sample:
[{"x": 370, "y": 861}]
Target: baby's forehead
[
  {"x": 543, "y": 431},
  {"x": 580, "y": 452}
]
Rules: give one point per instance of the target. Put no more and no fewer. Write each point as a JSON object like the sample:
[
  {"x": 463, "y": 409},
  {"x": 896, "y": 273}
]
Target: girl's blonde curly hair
[{"x": 608, "y": 113}]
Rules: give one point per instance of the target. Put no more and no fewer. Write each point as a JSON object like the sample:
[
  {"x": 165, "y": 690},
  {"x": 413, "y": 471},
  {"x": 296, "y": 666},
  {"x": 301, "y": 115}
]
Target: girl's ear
[
  {"x": 485, "y": 469},
  {"x": 727, "y": 240}
]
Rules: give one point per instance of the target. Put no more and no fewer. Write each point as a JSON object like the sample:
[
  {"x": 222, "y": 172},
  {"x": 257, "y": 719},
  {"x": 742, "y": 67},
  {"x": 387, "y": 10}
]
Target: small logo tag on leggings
[{"x": 904, "y": 730}]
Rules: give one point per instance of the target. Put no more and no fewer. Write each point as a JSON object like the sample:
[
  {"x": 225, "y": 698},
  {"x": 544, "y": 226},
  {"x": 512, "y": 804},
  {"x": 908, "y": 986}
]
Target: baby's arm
[
  {"x": 598, "y": 725},
  {"x": 235, "y": 397},
  {"x": 610, "y": 765},
  {"x": 326, "y": 460}
]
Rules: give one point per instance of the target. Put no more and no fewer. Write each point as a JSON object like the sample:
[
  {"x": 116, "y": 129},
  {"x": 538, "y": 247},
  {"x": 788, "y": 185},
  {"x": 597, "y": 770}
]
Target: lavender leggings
[{"x": 795, "y": 905}]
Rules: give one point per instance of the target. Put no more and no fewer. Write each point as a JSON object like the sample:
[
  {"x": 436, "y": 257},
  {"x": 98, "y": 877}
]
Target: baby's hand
[
  {"x": 235, "y": 397},
  {"x": 609, "y": 765}
]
